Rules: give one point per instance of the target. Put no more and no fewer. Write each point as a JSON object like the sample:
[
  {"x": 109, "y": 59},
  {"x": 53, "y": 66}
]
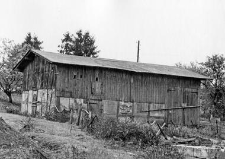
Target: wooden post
[
  {"x": 79, "y": 116},
  {"x": 217, "y": 130},
  {"x": 148, "y": 116},
  {"x": 183, "y": 116},
  {"x": 117, "y": 113},
  {"x": 138, "y": 51}
]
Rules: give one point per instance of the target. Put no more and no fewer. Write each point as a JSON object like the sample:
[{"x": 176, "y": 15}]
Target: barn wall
[
  {"x": 38, "y": 86},
  {"x": 38, "y": 102},
  {"x": 39, "y": 74},
  {"x": 108, "y": 84},
  {"x": 112, "y": 92},
  {"x": 124, "y": 93}
]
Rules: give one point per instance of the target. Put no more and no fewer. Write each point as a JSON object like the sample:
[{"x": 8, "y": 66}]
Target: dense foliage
[
  {"x": 212, "y": 91},
  {"x": 81, "y": 44},
  {"x": 124, "y": 131},
  {"x": 10, "y": 80},
  {"x": 11, "y": 53},
  {"x": 32, "y": 42},
  {"x": 140, "y": 136}
]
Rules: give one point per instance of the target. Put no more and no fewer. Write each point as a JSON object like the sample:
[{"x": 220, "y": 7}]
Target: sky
[{"x": 170, "y": 31}]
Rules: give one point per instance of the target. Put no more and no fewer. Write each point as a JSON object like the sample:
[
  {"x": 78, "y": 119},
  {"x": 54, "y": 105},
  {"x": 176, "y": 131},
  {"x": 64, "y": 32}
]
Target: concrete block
[
  {"x": 24, "y": 102},
  {"x": 110, "y": 107},
  {"x": 30, "y": 99},
  {"x": 64, "y": 103},
  {"x": 199, "y": 151}
]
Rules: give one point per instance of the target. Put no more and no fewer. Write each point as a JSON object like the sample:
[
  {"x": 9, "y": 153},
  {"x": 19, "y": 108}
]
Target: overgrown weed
[
  {"x": 180, "y": 131},
  {"x": 111, "y": 129},
  {"x": 140, "y": 136},
  {"x": 61, "y": 117}
]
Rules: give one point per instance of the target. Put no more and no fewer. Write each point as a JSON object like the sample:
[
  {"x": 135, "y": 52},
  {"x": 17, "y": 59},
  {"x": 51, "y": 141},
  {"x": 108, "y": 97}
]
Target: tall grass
[
  {"x": 111, "y": 129},
  {"x": 141, "y": 136}
]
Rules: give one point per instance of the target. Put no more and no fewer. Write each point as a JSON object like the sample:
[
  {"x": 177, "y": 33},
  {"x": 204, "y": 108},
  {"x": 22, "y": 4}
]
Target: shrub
[
  {"x": 54, "y": 115},
  {"x": 127, "y": 131},
  {"x": 137, "y": 134},
  {"x": 12, "y": 110},
  {"x": 205, "y": 115},
  {"x": 208, "y": 130}
]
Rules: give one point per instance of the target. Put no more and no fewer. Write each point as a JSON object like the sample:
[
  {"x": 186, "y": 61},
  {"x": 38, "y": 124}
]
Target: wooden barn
[{"x": 120, "y": 89}]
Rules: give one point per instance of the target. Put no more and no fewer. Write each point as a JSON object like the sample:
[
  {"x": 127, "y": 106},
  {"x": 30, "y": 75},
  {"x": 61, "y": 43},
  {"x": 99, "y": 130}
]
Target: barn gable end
[{"x": 38, "y": 85}]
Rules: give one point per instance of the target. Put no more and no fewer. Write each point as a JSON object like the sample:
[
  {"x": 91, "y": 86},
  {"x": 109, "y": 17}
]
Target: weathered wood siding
[
  {"x": 39, "y": 74},
  {"x": 117, "y": 92},
  {"x": 39, "y": 78},
  {"x": 83, "y": 82},
  {"x": 134, "y": 93}
]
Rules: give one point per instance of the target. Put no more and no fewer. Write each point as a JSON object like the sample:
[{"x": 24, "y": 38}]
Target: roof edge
[
  {"x": 16, "y": 66},
  {"x": 100, "y": 65},
  {"x": 203, "y": 78}
]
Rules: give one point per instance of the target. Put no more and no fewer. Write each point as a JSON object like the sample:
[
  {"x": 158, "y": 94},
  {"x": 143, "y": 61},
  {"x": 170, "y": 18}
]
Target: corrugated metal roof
[{"x": 115, "y": 64}]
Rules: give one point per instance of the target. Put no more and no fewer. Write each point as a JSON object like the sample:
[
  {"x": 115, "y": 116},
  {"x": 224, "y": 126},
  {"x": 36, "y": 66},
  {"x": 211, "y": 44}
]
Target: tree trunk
[
  {"x": 10, "y": 98},
  {"x": 9, "y": 94}
]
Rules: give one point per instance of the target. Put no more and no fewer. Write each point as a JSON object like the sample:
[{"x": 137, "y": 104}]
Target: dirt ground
[{"x": 56, "y": 139}]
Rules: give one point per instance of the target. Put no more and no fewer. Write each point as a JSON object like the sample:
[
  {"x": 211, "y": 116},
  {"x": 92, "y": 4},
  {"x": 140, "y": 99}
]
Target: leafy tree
[
  {"x": 11, "y": 53},
  {"x": 5, "y": 46},
  {"x": 32, "y": 42},
  {"x": 212, "y": 91},
  {"x": 83, "y": 44},
  {"x": 214, "y": 67},
  {"x": 67, "y": 44},
  {"x": 10, "y": 80},
  {"x": 194, "y": 67}
]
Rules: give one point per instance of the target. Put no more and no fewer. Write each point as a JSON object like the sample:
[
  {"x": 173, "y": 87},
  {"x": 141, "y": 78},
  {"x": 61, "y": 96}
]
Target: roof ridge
[{"x": 112, "y": 60}]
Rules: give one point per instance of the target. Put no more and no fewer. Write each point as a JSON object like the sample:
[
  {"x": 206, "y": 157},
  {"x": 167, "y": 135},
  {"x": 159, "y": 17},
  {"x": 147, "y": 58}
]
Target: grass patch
[
  {"x": 189, "y": 132},
  {"x": 28, "y": 124},
  {"x": 73, "y": 152},
  {"x": 160, "y": 152},
  {"x": 97, "y": 153}
]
